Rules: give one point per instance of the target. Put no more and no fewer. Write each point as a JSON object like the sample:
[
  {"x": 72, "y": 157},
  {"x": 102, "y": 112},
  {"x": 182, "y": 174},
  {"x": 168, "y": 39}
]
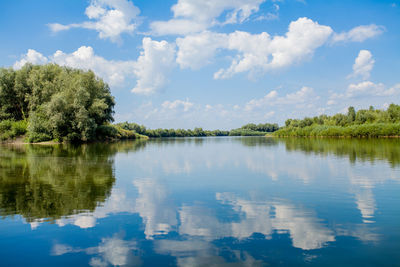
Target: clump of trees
[
  {"x": 252, "y": 129},
  {"x": 362, "y": 123},
  {"x": 155, "y": 133},
  {"x": 246, "y": 130},
  {"x": 50, "y": 102}
]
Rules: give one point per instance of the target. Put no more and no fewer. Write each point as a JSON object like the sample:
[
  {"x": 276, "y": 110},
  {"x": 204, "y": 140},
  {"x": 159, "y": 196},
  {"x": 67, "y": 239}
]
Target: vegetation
[
  {"x": 197, "y": 132},
  {"x": 363, "y": 123},
  {"x": 53, "y": 181},
  {"x": 50, "y": 102},
  {"x": 356, "y": 150},
  {"x": 246, "y": 130},
  {"x": 252, "y": 129},
  {"x": 10, "y": 129}
]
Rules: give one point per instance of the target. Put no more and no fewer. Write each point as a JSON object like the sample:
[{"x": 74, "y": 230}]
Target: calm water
[{"x": 202, "y": 202}]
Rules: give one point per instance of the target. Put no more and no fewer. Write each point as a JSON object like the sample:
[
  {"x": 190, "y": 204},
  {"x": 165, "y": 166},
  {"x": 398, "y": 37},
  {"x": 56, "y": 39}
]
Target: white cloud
[
  {"x": 175, "y": 26},
  {"x": 153, "y": 65},
  {"x": 198, "y": 50},
  {"x": 110, "y": 18},
  {"x": 363, "y": 65},
  {"x": 302, "y": 96},
  {"x": 31, "y": 56},
  {"x": 368, "y": 88},
  {"x": 154, "y": 207},
  {"x": 186, "y": 105},
  {"x": 269, "y": 114},
  {"x": 113, "y": 72},
  {"x": 359, "y": 34},
  {"x": 151, "y": 68},
  {"x": 192, "y": 16},
  {"x": 257, "y": 53},
  {"x": 85, "y": 221},
  {"x": 111, "y": 251},
  {"x": 261, "y": 53},
  {"x": 266, "y": 100}
]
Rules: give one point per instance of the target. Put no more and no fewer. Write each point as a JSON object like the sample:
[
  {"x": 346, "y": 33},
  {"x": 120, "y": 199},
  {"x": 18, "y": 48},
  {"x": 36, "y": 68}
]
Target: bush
[
  {"x": 19, "y": 127},
  {"x": 10, "y": 129},
  {"x": 38, "y": 137}
]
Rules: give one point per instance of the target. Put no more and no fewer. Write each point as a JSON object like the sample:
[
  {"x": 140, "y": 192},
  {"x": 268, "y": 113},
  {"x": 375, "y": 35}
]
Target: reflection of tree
[
  {"x": 257, "y": 141},
  {"x": 355, "y": 149},
  {"x": 54, "y": 181}
]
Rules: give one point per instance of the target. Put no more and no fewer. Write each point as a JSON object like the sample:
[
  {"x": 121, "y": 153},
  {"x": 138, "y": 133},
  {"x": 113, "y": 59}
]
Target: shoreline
[{"x": 21, "y": 141}]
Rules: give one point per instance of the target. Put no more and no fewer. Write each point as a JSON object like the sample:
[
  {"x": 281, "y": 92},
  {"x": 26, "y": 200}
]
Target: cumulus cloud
[
  {"x": 113, "y": 72},
  {"x": 364, "y": 90},
  {"x": 257, "y": 53},
  {"x": 111, "y": 251},
  {"x": 260, "y": 53},
  {"x": 198, "y": 50},
  {"x": 110, "y": 18},
  {"x": 153, "y": 66},
  {"x": 185, "y": 105},
  {"x": 302, "y": 96},
  {"x": 363, "y": 65},
  {"x": 192, "y": 16},
  {"x": 32, "y": 56},
  {"x": 359, "y": 34},
  {"x": 368, "y": 88}
]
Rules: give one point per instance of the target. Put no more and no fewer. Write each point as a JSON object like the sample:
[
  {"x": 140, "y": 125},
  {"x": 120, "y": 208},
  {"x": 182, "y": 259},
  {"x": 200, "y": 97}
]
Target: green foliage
[
  {"x": 363, "y": 123},
  {"x": 245, "y": 132},
  {"x": 59, "y": 103},
  {"x": 362, "y": 150},
  {"x": 252, "y": 129},
  {"x": 156, "y": 133},
  {"x": 266, "y": 127},
  {"x": 10, "y": 129}
]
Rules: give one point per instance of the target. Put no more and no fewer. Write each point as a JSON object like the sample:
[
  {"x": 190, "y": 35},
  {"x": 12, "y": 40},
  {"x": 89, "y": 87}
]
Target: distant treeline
[
  {"x": 363, "y": 123},
  {"x": 246, "y": 130},
  {"x": 252, "y": 129},
  {"x": 50, "y": 102}
]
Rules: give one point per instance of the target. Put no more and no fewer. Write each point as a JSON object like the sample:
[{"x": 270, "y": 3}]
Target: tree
[
  {"x": 58, "y": 102},
  {"x": 351, "y": 114}
]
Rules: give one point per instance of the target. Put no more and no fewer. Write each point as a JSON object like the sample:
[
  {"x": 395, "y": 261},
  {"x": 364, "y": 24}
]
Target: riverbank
[
  {"x": 369, "y": 130},
  {"x": 22, "y": 140}
]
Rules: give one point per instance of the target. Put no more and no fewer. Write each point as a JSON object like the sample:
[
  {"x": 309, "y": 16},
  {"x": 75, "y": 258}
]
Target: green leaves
[{"x": 60, "y": 103}]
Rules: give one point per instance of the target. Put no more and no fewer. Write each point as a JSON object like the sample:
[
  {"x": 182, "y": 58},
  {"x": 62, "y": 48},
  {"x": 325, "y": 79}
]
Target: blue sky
[{"x": 216, "y": 63}]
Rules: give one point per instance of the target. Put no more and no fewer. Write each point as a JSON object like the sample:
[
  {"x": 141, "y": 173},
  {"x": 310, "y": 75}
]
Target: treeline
[
  {"x": 154, "y": 133},
  {"x": 362, "y": 123},
  {"x": 50, "y": 102},
  {"x": 252, "y": 129},
  {"x": 246, "y": 130}
]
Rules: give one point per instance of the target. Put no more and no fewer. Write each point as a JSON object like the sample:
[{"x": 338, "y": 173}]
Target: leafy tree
[{"x": 58, "y": 102}]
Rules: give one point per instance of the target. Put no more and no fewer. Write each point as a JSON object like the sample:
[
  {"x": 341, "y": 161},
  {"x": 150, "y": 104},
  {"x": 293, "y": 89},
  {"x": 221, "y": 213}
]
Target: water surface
[{"x": 250, "y": 201}]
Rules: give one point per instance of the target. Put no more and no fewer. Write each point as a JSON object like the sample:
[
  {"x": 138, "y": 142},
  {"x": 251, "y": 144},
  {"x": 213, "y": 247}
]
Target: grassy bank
[
  {"x": 363, "y": 123},
  {"x": 363, "y": 130},
  {"x": 17, "y": 132}
]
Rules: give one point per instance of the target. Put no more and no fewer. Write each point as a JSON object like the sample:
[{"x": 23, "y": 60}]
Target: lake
[{"x": 224, "y": 201}]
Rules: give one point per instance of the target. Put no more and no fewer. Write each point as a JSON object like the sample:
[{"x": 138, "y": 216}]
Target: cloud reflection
[{"x": 111, "y": 251}]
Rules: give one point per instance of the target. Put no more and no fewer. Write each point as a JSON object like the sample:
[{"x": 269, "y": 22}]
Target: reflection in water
[
  {"x": 207, "y": 201},
  {"x": 111, "y": 251},
  {"x": 50, "y": 182},
  {"x": 354, "y": 149},
  {"x": 201, "y": 253},
  {"x": 261, "y": 217},
  {"x": 305, "y": 230},
  {"x": 154, "y": 207}
]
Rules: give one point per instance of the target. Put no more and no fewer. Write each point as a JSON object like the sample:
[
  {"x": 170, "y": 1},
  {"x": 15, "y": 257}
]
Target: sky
[{"x": 216, "y": 64}]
